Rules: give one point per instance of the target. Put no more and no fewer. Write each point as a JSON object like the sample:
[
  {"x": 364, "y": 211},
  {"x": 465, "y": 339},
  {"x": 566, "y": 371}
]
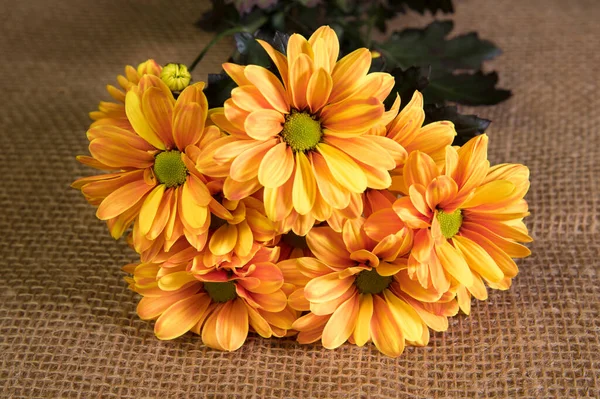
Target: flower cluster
[{"x": 303, "y": 207}]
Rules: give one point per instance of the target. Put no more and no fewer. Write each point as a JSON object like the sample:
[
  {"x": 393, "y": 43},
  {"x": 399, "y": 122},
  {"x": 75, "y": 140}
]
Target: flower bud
[
  {"x": 149, "y": 67},
  {"x": 175, "y": 76}
]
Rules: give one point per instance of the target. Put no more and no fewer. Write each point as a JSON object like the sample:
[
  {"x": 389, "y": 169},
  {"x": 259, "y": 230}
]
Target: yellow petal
[
  {"x": 195, "y": 215},
  {"x": 341, "y": 324},
  {"x": 385, "y": 331},
  {"x": 223, "y": 240},
  {"x": 363, "y": 320},
  {"x": 454, "y": 263},
  {"x": 279, "y": 59},
  {"x": 343, "y": 168},
  {"x": 348, "y": 71},
  {"x": 180, "y": 317},
  {"x": 298, "y": 45},
  {"x": 406, "y": 317},
  {"x": 478, "y": 259},
  {"x": 133, "y": 109},
  {"x": 277, "y": 166},
  {"x": 326, "y": 288},
  {"x": 304, "y": 189},
  {"x": 351, "y": 117},
  {"x": 331, "y": 45},
  {"x": 489, "y": 193},
  {"x": 300, "y": 74},
  {"x": 232, "y": 325},
  {"x": 150, "y": 208},
  {"x": 122, "y": 199},
  {"x": 264, "y": 124},
  {"x": 174, "y": 281},
  {"x": 236, "y": 72},
  {"x": 269, "y": 85},
  {"x": 318, "y": 90},
  {"x": 330, "y": 190},
  {"x": 419, "y": 169}
]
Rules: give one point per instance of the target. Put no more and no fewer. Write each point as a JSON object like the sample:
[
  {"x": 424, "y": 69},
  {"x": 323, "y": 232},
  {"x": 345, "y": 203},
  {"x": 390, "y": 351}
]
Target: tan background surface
[{"x": 68, "y": 326}]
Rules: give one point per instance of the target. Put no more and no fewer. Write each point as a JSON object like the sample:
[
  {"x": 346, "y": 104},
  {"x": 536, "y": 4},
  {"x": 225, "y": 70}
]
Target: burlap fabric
[{"x": 68, "y": 326}]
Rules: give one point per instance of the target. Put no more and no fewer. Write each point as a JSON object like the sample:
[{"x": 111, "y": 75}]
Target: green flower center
[
  {"x": 301, "y": 131},
  {"x": 170, "y": 169},
  {"x": 450, "y": 222},
  {"x": 371, "y": 282},
  {"x": 221, "y": 292}
]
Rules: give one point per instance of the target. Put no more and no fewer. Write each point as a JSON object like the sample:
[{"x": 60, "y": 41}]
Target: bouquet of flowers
[{"x": 303, "y": 207}]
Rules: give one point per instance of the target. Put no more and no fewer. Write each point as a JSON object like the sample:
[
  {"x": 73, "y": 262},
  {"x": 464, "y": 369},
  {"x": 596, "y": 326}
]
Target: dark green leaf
[
  {"x": 218, "y": 89},
  {"x": 249, "y": 51},
  {"x": 470, "y": 89},
  {"x": 220, "y": 17},
  {"x": 421, "y": 6},
  {"x": 430, "y": 46},
  {"x": 406, "y": 82},
  {"x": 467, "y": 126}
]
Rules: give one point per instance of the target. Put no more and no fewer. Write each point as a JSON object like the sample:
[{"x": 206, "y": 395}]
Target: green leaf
[
  {"x": 470, "y": 89},
  {"x": 249, "y": 51},
  {"x": 218, "y": 89},
  {"x": 430, "y": 46},
  {"x": 467, "y": 126},
  {"x": 406, "y": 82},
  {"x": 220, "y": 17},
  {"x": 421, "y": 6}
]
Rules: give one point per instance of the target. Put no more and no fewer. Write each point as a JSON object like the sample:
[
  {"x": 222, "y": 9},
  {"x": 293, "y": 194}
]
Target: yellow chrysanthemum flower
[
  {"x": 220, "y": 304},
  {"x": 304, "y": 137},
  {"x": 353, "y": 290},
  {"x": 157, "y": 185},
  {"x": 111, "y": 113},
  {"x": 467, "y": 219}
]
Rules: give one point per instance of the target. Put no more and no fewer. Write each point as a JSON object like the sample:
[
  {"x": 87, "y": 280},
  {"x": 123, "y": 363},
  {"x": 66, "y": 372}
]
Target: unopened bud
[{"x": 175, "y": 76}]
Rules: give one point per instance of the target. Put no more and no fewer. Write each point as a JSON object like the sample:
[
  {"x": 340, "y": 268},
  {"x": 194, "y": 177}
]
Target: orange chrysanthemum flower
[
  {"x": 220, "y": 304},
  {"x": 235, "y": 228},
  {"x": 406, "y": 129},
  {"x": 157, "y": 185},
  {"x": 467, "y": 219},
  {"x": 111, "y": 113},
  {"x": 304, "y": 137},
  {"x": 353, "y": 290}
]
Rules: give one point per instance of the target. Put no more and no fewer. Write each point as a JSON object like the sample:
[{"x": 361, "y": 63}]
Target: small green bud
[{"x": 175, "y": 76}]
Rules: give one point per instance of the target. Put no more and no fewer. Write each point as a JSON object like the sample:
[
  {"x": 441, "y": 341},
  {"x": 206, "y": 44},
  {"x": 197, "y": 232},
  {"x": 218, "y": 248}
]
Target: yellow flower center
[
  {"x": 170, "y": 169},
  {"x": 221, "y": 292},
  {"x": 450, "y": 222},
  {"x": 301, "y": 131},
  {"x": 175, "y": 76},
  {"x": 371, "y": 282}
]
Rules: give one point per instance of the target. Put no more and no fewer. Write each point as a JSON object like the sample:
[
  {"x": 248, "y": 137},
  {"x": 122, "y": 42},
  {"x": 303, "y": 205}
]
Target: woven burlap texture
[{"x": 68, "y": 326}]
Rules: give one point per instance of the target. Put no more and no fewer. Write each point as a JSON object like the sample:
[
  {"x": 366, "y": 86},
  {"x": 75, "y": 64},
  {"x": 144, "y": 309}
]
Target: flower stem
[{"x": 221, "y": 35}]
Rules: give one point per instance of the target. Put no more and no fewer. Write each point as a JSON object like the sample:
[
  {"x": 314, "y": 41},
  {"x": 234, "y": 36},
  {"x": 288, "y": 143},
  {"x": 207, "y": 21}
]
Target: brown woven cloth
[{"x": 68, "y": 326}]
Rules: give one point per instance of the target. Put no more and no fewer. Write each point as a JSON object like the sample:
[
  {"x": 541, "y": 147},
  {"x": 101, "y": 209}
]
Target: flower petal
[
  {"x": 304, "y": 189},
  {"x": 454, "y": 263},
  {"x": 341, "y": 324},
  {"x": 385, "y": 331},
  {"x": 351, "y": 117},
  {"x": 318, "y": 90},
  {"x": 343, "y": 168},
  {"x": 232, "y": 325},
  {"x": 362, "y": 330},
  {"x": 327, "y": 288},
  {"x": 277, "y": 166},
  {"x": 478, "y": 259},
  {"x": 348, "y": 71},
  {"x": 223, "y": 240},
  {"x": 264, "y": 124},
  {"x": 133, "y": 109},
  {"x": 328, "y": 247},
  {"x": 180, "y": 317},
  {"x": 300, "y": 73},
  {"x": 122, "y": 199},
  {"x": 269, "y": 85},
  {"x": 245, "y": 166}
]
